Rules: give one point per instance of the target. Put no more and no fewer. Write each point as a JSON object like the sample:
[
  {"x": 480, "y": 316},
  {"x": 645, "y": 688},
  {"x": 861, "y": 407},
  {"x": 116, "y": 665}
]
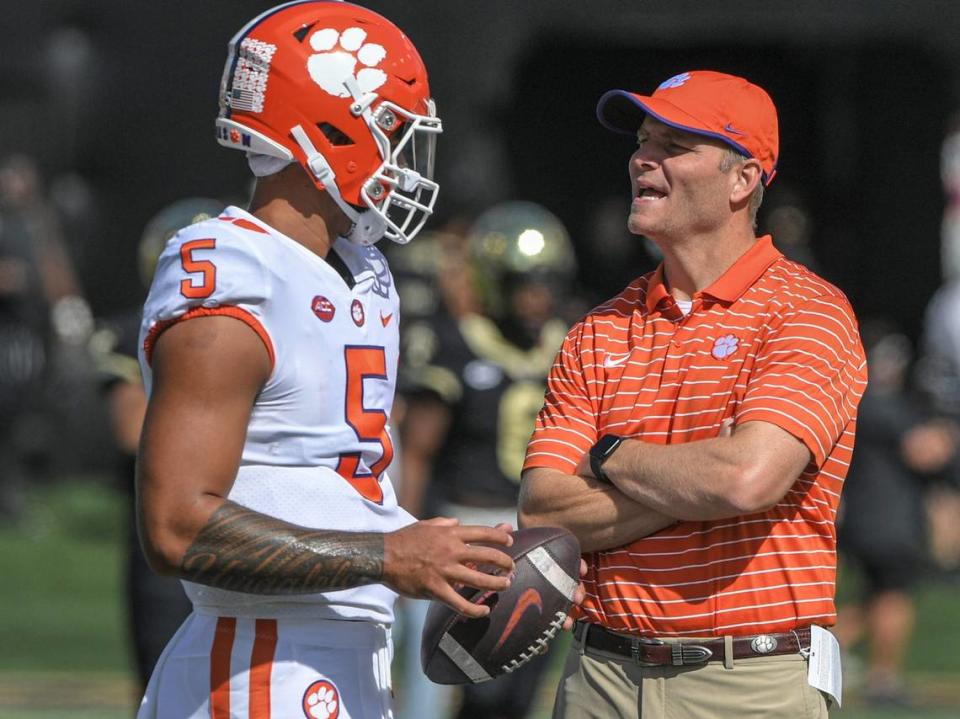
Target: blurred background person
[
  {"x": 156, "y": 606},
  {"x": 899, "y": 447},
  {"x": 41, "y": 310},
  {"x": 476, "y": 374},
  {"x": 938, "y": 371},
  {"x": 434, "y": 281}
]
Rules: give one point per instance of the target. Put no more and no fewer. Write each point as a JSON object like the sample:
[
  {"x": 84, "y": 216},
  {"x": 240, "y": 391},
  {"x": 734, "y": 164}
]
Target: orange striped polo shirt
[{"x": 770, "y": 341}]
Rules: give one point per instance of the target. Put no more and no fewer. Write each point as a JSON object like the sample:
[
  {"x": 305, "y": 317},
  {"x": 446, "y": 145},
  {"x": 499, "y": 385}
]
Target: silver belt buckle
[{"x": 683, "y": 654}]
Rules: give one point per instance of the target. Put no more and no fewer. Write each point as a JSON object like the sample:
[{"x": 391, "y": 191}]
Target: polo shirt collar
[{"x": 732, "y": 283}]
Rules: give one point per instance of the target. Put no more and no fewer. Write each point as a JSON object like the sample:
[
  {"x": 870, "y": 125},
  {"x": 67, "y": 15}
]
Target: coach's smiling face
[{"x": 679, "y": 190}]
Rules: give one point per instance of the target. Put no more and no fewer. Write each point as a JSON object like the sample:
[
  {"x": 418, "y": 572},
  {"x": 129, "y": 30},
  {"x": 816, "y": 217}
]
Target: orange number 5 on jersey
[
  {"x": 205, "y": 268},
  {"x": 368, "y": 424}
]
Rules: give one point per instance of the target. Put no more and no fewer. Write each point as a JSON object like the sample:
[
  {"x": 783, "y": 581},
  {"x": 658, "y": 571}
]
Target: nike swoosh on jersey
[
  {"x": 385, "y": 319},
  {"x": 529, "y": 598},
  {"x": 615, "y": 360}
]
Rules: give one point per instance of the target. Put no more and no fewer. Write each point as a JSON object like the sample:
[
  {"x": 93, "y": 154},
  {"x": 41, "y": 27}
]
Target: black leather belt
[{"x": 659, "y": 653}]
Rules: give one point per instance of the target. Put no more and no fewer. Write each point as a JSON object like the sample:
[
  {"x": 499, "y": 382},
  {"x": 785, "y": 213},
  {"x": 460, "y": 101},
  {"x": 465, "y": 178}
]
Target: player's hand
[{"x": 427, "y": 560}]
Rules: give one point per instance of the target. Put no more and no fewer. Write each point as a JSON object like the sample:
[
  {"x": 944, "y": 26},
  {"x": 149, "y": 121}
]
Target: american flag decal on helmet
[{"x": 249, "y": 87}]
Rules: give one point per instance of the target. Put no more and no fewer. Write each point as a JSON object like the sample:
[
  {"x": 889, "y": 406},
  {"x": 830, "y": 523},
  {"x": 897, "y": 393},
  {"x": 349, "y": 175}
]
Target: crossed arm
[
  {"x": 746, "y": 471},
  {"x": 207, "y": 374}
]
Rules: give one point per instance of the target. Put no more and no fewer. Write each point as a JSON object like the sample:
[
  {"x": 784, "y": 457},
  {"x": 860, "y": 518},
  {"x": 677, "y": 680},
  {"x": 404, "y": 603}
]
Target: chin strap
[{"x": 368, "y": 226}]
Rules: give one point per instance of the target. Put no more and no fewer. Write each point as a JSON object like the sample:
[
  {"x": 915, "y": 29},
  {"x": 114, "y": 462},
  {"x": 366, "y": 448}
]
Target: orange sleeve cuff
[{"x": 238, "y": 313}]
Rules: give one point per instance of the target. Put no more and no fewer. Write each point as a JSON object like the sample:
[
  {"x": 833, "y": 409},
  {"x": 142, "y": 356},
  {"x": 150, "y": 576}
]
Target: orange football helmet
[{"x": 343, "y": 92}]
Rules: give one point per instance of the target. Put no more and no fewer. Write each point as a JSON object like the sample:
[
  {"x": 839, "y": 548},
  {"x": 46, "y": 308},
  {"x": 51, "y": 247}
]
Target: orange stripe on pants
[
  {"x": 261, "y": 665},
  {"x": 220, "y": 667}
]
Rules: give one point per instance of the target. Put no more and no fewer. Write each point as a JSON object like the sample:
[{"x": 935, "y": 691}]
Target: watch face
[
  {"x": 599, "y": 453},
  {"x": 606, "y": 445}
]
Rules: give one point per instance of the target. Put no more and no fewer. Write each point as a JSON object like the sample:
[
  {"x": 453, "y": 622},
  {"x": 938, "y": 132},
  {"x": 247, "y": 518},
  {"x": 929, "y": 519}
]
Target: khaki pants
[{"x": 597, "y": 685}]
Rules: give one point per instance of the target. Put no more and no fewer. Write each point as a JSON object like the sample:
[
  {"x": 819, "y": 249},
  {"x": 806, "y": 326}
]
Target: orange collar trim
[
  {"x": 745, "y": 271},
  {"x": 738, "y": 278}
]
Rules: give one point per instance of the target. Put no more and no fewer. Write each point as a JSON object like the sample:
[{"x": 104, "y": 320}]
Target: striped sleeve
[
  {"x": 809, "y": 375},
  {"x": 566, "y": 427}
]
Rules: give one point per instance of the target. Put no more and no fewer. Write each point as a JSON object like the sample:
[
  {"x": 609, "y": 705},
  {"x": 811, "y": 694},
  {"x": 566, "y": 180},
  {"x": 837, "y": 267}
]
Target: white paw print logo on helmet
[
  {"x": 337, "y": 57},
  {"x": 321, "y": 700}
]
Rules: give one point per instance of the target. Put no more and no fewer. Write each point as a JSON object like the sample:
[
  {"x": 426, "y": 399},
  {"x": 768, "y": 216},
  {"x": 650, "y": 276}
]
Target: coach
[{"x": 696, "y": 432}]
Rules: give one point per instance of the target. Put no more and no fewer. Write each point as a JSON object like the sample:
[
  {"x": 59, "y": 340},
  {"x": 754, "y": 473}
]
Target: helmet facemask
[
  {"x": 400, "y": 194},
  {"x": 402, "y": 191}
]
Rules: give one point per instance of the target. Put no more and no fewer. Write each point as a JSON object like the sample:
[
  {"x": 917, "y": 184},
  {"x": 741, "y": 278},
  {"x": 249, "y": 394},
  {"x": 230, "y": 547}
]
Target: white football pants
[{"x": 244, "y": 668}]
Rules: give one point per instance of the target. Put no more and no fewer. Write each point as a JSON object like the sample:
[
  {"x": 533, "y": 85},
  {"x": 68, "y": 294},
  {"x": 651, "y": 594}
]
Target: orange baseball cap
[{"x": 713, "y": 104}]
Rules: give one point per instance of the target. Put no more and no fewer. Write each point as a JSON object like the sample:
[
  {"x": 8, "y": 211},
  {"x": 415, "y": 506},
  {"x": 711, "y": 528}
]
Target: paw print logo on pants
[
  {"x": 336, "y": 58},
  {"x": 321, "y": 700}
]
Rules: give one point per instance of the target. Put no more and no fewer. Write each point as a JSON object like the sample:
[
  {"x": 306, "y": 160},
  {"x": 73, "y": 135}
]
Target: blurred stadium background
[{"x": 115, "y": 100}]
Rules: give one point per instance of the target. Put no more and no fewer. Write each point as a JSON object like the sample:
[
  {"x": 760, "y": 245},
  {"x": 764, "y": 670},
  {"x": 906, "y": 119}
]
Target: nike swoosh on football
[
  {"x": 385, "y": 319},
  {"x": 615, "y": 360},
  {"x": 529, "y": 598}
]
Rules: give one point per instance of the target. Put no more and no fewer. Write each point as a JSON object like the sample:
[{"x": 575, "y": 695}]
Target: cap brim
[{"x": 623, "y": 112}]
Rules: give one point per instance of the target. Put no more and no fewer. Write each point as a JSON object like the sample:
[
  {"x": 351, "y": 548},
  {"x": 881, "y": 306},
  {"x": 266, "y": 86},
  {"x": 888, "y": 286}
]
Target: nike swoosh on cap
[{"x": 730, "y": 128}]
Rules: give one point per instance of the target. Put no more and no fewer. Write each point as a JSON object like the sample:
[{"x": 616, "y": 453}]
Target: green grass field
[{"x": 64, "y": 644}]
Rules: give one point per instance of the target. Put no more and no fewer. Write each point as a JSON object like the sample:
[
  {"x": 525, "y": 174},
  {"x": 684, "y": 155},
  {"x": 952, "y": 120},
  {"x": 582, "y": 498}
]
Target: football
[{"x": 523, "y": 619}]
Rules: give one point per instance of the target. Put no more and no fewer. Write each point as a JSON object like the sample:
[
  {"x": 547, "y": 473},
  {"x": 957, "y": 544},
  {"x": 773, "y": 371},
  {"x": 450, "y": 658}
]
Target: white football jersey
[{"x": 318, "y": 442}]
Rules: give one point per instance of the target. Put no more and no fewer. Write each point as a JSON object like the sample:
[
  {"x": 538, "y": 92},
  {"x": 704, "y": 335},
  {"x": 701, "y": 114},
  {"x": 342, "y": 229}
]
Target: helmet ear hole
[
  {"x": 301, "y": 33},
  {"x": 335, "y": 136}
]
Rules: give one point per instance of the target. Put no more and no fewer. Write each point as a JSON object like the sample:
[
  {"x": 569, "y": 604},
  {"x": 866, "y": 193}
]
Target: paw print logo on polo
[
  {"x": 725, "y": 346},
  {"x": 337, "y": 56},
  {"x": 321, "y": 700}
]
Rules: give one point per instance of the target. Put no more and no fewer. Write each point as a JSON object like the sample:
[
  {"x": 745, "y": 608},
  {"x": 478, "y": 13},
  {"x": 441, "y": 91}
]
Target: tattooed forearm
[{"x": 250, "y": 552}]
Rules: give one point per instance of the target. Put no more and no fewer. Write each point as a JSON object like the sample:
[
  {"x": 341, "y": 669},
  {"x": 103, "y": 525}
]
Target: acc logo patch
[
  {"x": 321, "y": 700},
  {"x": 336, "y": 59},
  {"x": 356, "y": 312},
  {"x": 323, "y": 308},
  {"x": 725, "y": 346}
]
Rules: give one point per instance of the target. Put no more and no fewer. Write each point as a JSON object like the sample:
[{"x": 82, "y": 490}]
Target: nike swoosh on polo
[
  {"x": 529, "y": 598},
  {"x": 615, "y": 360},
  {"x": 385, "y": 319},
  {"x": 730, "y": 128}
]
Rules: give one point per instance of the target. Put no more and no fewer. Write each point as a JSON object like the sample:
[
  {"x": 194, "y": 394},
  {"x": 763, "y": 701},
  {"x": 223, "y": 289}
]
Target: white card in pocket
[{"x": 824, "y": 672}]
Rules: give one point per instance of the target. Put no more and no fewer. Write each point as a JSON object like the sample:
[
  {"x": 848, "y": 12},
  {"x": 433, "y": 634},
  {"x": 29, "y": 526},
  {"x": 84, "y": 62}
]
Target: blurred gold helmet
[
  {"x": 165, "y": 224},
  {"x": 518, "y": 242}
]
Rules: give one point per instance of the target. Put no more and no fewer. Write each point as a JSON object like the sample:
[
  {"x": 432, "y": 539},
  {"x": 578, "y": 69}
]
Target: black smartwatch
[{"x": 600, "y": 453}]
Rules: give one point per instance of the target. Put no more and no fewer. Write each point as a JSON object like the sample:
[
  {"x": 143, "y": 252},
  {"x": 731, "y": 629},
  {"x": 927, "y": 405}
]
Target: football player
[
  {"x": 156, "y": 606},
  {"x": 269, "y": 350},
  {"x": 476, "y": 381}
]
